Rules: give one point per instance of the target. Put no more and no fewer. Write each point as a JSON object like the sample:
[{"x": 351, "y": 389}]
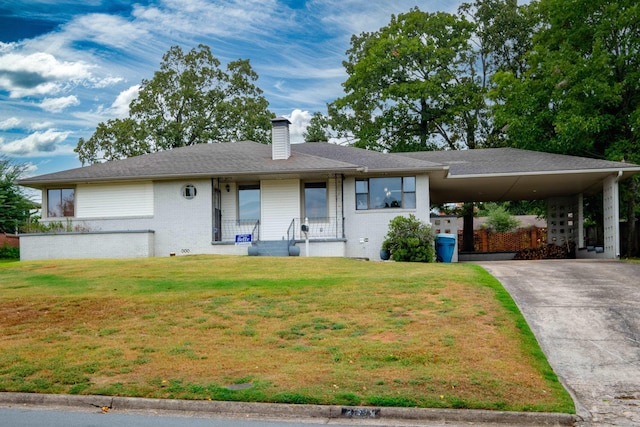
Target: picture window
[
  {"x": 60, "y": 202},
  {"x": 383, "y": 193}
]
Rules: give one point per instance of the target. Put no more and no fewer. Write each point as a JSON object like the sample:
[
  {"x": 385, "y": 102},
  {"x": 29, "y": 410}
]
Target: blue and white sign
[{"x": 243, "y": 239}]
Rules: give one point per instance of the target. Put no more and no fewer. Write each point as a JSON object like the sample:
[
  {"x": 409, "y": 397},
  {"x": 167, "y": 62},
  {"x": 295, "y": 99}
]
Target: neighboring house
[{"x": 216, "y": 198}]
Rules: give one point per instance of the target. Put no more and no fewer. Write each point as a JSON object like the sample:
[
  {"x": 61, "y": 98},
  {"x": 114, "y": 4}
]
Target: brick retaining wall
[{"x": 10, "y": 240}]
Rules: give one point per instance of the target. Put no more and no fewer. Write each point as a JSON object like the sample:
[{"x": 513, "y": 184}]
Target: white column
[
  {"x": 580, "y": 221},
  {"x": 611, "y": 209}
]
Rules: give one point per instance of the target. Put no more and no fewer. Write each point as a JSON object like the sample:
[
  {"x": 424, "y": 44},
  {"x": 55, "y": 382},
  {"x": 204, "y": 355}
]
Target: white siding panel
[
  {"x": 114, "y": 200},
  {"x": 280, "y": 205}
]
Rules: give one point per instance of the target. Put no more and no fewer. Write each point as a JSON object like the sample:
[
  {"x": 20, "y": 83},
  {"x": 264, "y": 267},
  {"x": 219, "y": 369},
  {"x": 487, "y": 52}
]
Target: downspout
[{"x": 342, "y": 201}]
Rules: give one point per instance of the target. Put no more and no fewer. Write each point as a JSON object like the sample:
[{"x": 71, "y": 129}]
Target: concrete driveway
[{"x": 586, "y": 316}]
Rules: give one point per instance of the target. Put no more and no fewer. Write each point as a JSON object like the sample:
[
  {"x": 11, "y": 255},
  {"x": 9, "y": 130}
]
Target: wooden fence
[{"x": 513, "y": 241}]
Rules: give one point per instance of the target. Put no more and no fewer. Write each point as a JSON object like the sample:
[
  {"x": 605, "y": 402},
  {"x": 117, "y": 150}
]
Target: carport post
[
  {"x": 611, "y": 208},
  {"x": 581, "y": 243}
]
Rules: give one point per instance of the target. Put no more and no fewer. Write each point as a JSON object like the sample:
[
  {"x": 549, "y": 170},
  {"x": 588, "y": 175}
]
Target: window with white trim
[
  {"x": 249, "y": 202},
  {"x": 387, "y": 192},
  {"x": 315, "y": 200},
  {"x": 60, "y": 202}
]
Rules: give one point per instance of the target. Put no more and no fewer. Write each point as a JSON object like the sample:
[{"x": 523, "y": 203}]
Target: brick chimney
[{"x": 280, "y": 142}]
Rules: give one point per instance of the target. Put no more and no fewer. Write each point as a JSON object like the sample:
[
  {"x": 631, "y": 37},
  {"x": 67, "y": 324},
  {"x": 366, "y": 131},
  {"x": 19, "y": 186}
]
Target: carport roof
[{"x": 500, "y": 174}]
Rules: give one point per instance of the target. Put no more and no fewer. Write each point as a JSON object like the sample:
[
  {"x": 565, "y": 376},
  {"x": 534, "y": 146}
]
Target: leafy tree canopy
[
  {"x": 190, "y": 100},
  {"x": 406, "y": 83},
  {"x": 422, "y": 82},
  {"x": 317, "y": 129},
  {"x": 14, "y": 205},
  {"x": 580, "y": 93}
]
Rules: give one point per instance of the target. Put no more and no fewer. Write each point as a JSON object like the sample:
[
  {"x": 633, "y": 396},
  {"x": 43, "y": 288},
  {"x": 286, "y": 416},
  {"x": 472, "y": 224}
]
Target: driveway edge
[{"x": 285, "y": 411}]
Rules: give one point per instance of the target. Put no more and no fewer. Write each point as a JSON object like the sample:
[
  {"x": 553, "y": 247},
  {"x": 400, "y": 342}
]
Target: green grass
[{"x": 292, "y": 330}]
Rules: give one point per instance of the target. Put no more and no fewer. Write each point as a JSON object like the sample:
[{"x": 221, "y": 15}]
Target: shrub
[
  {"x": 409, "y": 240},
  {"x": 500, "y": 220},
  {"x": 9, "y": 252}
]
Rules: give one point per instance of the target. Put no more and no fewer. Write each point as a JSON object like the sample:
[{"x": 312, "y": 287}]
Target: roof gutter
[
  {"x": 165, "y": 177},
  {"x": 620, "y": 172}
]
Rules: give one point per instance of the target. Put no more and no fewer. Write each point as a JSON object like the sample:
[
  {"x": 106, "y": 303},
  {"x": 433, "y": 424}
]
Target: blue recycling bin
[{"x": 445, "y": 245}]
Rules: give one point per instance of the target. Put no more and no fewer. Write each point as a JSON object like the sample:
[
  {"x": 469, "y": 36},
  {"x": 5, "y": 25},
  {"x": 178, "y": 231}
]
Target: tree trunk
[{"x": 467, "y": 228}]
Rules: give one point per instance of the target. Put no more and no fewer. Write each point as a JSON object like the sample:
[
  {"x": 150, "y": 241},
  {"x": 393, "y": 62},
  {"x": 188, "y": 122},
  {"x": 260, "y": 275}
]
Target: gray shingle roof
[
  {"x": 248, "y": 158},
  {"x": 233, "y": 159},
  {"x": 497, "y": 161},
  {"x": 373, "y": 160}
]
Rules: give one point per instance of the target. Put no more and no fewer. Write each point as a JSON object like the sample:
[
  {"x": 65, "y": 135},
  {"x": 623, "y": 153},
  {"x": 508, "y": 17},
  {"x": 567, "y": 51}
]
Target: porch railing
[
  {"x": 291, "y": 232},
  {"x": 255, "y": 233},
  {"x": 319, "y": 228},
  {"x": 231, "y": 228}
]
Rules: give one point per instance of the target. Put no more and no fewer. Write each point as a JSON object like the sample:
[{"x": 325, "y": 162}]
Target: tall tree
[
  {"x": 317, "y": 131},
  {"x": 190, "y": 100},
  {"x": 14, "y": 205},
  {"x": 422, "y": 82},
  {"x": 580, "y": 93},
  {"x": 502, "y": 38},
  {"x": 407, "y": 84}
]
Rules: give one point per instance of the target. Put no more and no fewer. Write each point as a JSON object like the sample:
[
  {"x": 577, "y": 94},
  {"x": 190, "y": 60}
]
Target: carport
[{"x": 510, "y": 174}]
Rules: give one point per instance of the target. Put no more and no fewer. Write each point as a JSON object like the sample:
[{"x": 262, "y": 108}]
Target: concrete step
[{"x": 272, "y": 247}]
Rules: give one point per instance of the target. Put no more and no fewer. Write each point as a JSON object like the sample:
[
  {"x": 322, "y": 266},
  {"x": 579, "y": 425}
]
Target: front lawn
[{"x": 296, "y": 330}]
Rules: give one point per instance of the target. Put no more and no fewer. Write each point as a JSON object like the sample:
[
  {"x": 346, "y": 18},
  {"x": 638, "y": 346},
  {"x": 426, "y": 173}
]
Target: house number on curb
[{"x": 360, "y": 413}]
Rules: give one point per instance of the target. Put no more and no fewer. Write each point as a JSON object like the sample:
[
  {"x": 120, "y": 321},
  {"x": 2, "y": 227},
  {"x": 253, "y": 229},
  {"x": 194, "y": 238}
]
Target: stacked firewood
[{"x": 550, "y": 251}]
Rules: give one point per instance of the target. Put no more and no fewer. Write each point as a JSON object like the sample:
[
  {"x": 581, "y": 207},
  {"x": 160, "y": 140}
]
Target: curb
[{"x": 287, "y": 411}]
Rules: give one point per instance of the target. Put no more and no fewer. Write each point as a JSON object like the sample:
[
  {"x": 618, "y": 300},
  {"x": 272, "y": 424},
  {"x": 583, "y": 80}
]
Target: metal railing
[
  {"x": 255, "y": 233},
  {"x": 231, "y": 228},
  {"x": 319, "y": 228},
  {"x": 291, "y": 232}
]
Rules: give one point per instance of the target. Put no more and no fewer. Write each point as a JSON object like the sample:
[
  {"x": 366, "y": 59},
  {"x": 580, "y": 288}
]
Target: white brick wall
[
  {"x": 139, "y": 244},
  {"x": 366, "y": 229}
]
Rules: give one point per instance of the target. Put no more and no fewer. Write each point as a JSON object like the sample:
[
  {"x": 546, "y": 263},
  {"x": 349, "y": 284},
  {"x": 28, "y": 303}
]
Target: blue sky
[{"x": 66, "y": 66}]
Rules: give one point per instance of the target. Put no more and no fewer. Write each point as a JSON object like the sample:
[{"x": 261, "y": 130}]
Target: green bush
[
  {"x": 499, "y": 219},
  {"x": 409, "y": 240},
  {"x": 9, "y": 252}
]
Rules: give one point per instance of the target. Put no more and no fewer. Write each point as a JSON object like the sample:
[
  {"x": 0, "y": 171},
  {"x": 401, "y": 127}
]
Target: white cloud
[
  {"x": 107, "y": 30},
  {"x": 57, "y": 105},
  {"x": 120, "y": 106},
  {"x": 38, "y": 73},
  {"x": 29, "y": 169},
  {"x": 244, "y": 18},
  {"x": 299, "y": 121},
  {"x": 10, "y": 123},
  {"x": 38, "y": 143},
  {"x": 41, "y": 125},
  {"x": 107, "y": 81}
]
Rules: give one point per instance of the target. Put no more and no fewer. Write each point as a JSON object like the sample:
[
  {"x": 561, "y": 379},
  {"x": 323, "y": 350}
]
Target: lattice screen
[{"x": 562, "y": 220}]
